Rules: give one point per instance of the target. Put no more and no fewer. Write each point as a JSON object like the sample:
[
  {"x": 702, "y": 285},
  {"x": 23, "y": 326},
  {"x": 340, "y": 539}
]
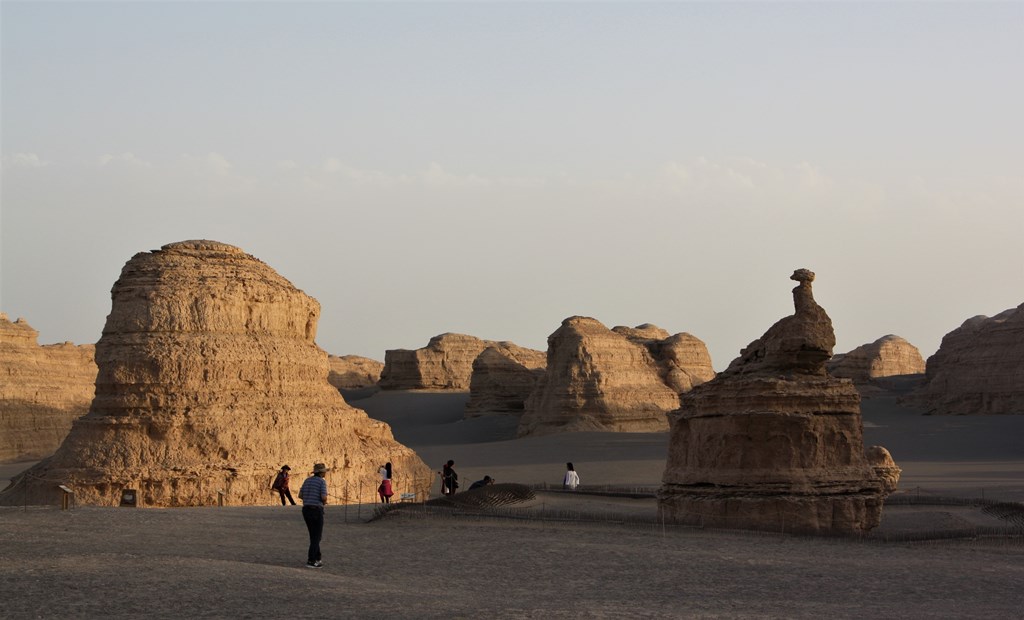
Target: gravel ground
[{"x": 249, "y": 562}]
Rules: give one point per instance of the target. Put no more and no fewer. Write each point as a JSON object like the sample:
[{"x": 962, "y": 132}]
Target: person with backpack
[{"x": 281, "y": 485}]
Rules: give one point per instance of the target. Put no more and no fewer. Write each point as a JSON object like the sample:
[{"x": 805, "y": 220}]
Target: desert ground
[{"x": 559, "y": 555}]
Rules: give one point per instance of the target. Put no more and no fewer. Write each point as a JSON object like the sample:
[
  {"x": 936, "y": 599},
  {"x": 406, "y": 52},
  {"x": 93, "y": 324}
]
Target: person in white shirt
[{"x": 572, "y": 479}]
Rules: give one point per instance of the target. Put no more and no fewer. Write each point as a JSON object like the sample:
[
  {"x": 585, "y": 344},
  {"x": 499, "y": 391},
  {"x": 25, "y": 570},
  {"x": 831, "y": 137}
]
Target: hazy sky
[{"x": 494, "y": 168}]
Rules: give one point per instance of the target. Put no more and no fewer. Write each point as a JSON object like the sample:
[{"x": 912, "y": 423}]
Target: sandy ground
[{"x": 248, "y": 562}]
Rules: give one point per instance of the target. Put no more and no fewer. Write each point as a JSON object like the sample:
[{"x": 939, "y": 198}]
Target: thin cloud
[
  {"x": 211, "y": 163},
  {"x": 26, "y": 160},
  {"x": 128, "y": 159}
]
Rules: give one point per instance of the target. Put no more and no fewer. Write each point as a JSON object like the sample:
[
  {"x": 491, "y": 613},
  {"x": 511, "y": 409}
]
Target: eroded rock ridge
[
  {"x": 446, "y": 363},
  {"x": 209, "y": 380},
  {"x": 503, "y": 377},
  {"x": 353, "y": 371},
  {"x": 621, "y": 380},
  {"x": 42, "y": 390},
  {"x": 978, "y": 369}
]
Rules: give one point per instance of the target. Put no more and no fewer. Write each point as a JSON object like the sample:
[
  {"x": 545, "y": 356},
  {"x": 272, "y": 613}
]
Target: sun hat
[
  {"x": 286, "y": 467},
  {"x": 320, "y": 468}
]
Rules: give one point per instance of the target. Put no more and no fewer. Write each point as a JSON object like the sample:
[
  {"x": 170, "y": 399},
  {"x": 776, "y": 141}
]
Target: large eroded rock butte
[
  {"x": 353, "y": 371},
  {"x": 620, "y": 380},
  {"x": 42, "y": 390},
  {"x": 503, "y": 377},
  {"x": 774, "y": 442},
  {"x": 978, "y": 369},
  {"x": 446, "y": 363},
  {"x": 889, "y": 356},
  {"x": 209, "y": 381}
]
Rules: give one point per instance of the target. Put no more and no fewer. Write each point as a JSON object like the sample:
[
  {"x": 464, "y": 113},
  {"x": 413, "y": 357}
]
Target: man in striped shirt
[{"x": 314, "y": 497}]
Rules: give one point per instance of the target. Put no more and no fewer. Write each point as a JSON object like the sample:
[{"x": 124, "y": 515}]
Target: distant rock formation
[
  {"x": 978, "y": 369},
  {"x": 352, "y": 371},
  {"x": 42, "y": 390},
  {"x": 773, "y": 442},
  {"x": 446, "y": 363},
  {"x": 210, "y": 380},
  {"x": 889, "y": 356},
  {"x": 683, "y": 360},
  {"x": 623, "y": 379},
  {"x": 503, "y": 377}
]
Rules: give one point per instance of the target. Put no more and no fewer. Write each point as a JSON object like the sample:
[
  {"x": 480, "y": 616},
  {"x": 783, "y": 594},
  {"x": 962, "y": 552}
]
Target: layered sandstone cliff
[
  {"x": 353, "y": 371},
  {"x": 978, "y": 369},
  {"x": 446, "y": 363},
  {"x": 774, "y": 442},
  {"x": 598, "y": 379},
  {"x": 42, "y": 390},
  {"x": 209, "y": 380},
  {"x": 503, "y": 377},
  {"x": 889, "y": 356}
]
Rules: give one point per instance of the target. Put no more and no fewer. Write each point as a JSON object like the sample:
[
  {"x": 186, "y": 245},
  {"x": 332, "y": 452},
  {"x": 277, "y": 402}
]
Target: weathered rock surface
[
  {"x": 773, "y": 442},
  {"x": 599, "y": 379},
  {"x": 683, "y": 360},
  {"x": 353, "y": 371},
  {"x": 889, "y": 356},
  {"x": 503, "y": 377},
  {"x": 42, "y": 390},
  {"x": 885, "y": 468},
  {"x": 209, "y": 380},
  {"x": 978, "y": 369},
  {"x": 446, "y": 363}
]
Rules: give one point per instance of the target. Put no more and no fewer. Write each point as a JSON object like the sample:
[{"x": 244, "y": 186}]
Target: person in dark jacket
[
  {"x": 281, "y": 485},
  {"x": 449, "y": 479},
  {"x": 481, "y": 483}
]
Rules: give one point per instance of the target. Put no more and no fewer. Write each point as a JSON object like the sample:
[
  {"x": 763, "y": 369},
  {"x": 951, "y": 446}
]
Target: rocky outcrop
[
  {"x": 683, "y": 360},
  {"x": 446, "y": 363},
  {"x": 773, "y": 442},
  {"x": 884, "y": 467},
  {"x": 42, "y": 390},
  {"x": 599, "y": 379},
  {"x": 889, "y": 356},
  {"x": 503, "y": 377},
  {"x": 978, "y": 369},
  {"x": 352, "y": 371},
  {"x": 209, "y": 380}
]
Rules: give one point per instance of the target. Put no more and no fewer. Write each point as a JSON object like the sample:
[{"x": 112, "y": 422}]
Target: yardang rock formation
[
  {"x": 446, "y": 363},
  {"x": 353, "y": 371},
  {"x": 503, "y": 377},
  {"x": 598, "y": 379},
  {"x": 889, "y": 356},
  {"x": 210, "y": 380},
  {"x": 775, "y": 443},
  {"x": 978, "y": 369},
  {"x": 42, "y": 390}
]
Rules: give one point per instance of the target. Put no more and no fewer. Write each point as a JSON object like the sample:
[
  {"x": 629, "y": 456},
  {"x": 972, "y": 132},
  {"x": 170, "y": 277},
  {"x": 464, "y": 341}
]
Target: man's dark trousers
[{"x": 314, "y": 517}]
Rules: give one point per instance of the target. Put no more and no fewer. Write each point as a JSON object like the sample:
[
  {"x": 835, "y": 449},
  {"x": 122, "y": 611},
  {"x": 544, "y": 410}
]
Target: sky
[{"x": 494, "y": 168}]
